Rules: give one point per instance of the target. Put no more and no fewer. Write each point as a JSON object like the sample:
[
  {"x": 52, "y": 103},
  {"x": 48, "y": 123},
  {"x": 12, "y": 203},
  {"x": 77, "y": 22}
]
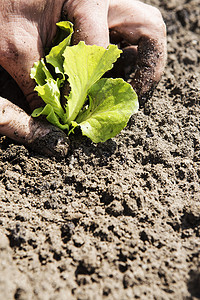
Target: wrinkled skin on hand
[{"x": 28, "y": 27}]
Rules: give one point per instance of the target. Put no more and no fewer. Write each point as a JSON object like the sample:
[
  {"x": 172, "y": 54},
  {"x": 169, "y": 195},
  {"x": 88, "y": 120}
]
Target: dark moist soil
[{"x": 119, "y": 220}]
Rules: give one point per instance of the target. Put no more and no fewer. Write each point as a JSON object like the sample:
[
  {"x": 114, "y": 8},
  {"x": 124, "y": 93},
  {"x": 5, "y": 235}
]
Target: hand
[
  {"x": 27, "y": 27},
  {"x": 138, "y": 26}
]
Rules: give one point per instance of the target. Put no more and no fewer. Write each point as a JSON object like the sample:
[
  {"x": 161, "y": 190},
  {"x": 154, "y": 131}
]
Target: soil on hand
[{"x": 118, "y": 220}]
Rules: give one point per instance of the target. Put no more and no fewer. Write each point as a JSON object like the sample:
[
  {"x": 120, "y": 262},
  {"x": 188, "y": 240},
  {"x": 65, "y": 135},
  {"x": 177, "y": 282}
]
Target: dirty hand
[{"x": 28, "y": 27}]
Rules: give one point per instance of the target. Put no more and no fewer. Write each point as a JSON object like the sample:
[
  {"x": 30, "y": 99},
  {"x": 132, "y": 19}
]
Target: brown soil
[{"x": 119, "y": 220}]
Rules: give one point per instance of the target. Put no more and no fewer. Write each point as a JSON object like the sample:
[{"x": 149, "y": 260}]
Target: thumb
[{"x": 90, "y": 20}]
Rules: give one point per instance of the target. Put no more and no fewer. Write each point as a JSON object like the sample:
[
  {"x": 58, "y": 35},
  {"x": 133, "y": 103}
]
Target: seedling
[{"x": 69, "y": 80}]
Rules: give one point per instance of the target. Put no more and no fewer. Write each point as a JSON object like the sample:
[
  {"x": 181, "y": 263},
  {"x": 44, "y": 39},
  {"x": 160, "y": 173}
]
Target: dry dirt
[{"x": 119, "y": 220}]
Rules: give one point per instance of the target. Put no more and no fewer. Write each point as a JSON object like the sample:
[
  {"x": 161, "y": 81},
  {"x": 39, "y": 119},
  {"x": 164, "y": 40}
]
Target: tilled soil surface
[{"x": 119, "y": 220}]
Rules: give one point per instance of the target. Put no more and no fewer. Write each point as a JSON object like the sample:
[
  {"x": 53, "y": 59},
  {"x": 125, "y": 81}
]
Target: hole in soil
[
  {"x": 84, "y": 269},
  {"x": 57, "y": 256},
  {"x": 19, "y": 294},
  {"x": 106, "y": 198},
  {"x": 123, "y": 267},
  {"x": 67, "y": 231},
  {"x": 194, "y": 284},
  {"x": 17, "y": 236},
  {"x": 190, "y": 219}
]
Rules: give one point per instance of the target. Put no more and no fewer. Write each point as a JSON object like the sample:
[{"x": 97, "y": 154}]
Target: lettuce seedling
[{"x": 69, "y": 80}]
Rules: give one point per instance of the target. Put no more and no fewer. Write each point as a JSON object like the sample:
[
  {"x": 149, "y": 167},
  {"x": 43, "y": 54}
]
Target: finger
[
  {"x": 150, "y": 67},
  {"x": 18, "y": 52},
  {"x": 90, "y": 19},
  {"x": 144, "y": 27},
  {"x": 37, "y": 135}
]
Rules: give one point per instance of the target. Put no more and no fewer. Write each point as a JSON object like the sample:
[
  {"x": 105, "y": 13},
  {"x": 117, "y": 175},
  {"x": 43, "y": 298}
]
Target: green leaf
[
  {"x": 50, "y": 93},
  {"x": 51, "y": 116},
  {"x": 55, "y": 57},
  {"x": 84, "y": 65},
  {"x": 40, "y": 73},
  {"x": 65, "y": 30},
  {"x": 111, "y": 104}
]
